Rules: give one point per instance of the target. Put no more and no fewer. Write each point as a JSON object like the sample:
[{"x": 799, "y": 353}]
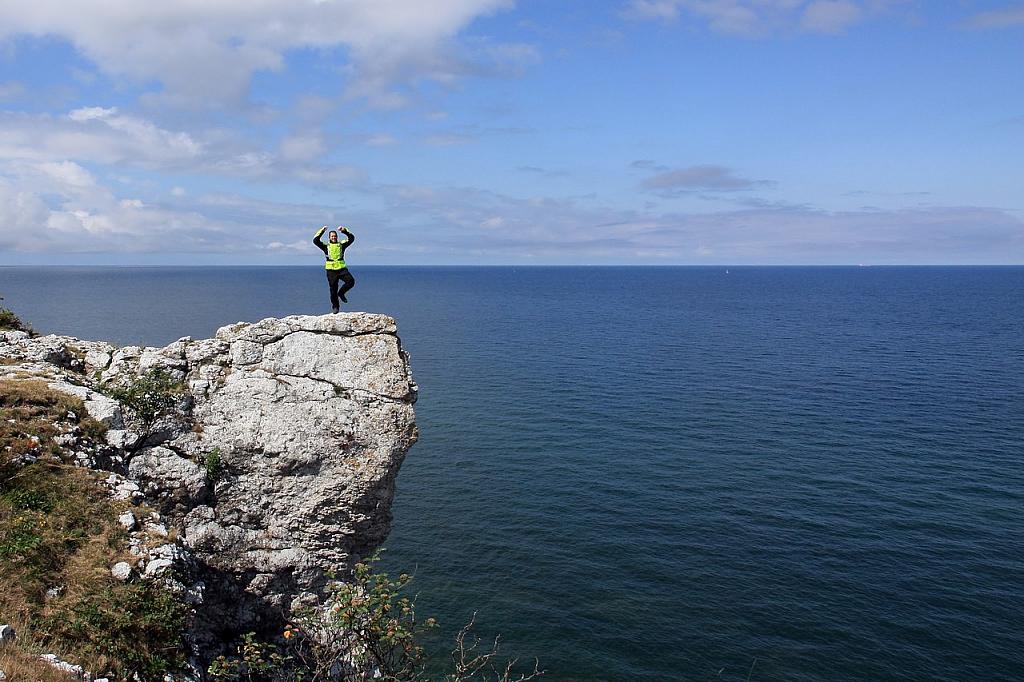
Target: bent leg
[
  {"x": 349, "y": 282},
  {"x": 332, "y": 286}
]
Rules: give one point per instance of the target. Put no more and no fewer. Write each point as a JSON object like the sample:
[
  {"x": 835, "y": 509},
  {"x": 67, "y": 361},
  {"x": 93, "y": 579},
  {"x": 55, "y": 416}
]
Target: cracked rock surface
[
  {"x": 311, "y": 417},
  {"x": 280, "y": 460}
]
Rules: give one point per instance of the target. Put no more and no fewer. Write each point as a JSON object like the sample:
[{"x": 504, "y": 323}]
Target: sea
[{"x": 661, "y": 473}]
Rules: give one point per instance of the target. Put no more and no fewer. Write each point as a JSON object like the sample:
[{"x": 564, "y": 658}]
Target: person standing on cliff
[{"x": 335, "y": 265}]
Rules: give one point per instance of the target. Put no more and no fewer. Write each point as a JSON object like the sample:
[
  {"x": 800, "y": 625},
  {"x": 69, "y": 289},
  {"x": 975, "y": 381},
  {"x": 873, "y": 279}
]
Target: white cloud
[
  {"x": 830, "y": 16},
  {"x": 654, "y": 9},
  {"x": 461, "y": 224},
  {"x": 380, "y": 140},
  {"x": 105, "y": 136},
  {"x": 295, "y": 247},
  {"x": 67, "y": 176},
  {"x": 43, "y": 201},
  {"x": 205, "y": 51},
  {"x": 46, "y": 201},
  {"x": 1008, "y": 17},
  {"x": 11, "y": 90},
  {"x": 92, "y": 113},
  {"x": 303, "y": 147},
  {"x": 759, "y": 17},
  {"x": 710, "y": 178},
  {"x": 23, "y": 216},
  {"x": 447, "y": 139},
  {"x": 94, "y": 134}
]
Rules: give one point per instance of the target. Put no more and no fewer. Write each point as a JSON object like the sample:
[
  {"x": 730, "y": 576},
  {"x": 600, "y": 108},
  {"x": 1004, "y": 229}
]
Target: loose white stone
[
  {"x": 122, "y": 570},
  {"x": 127, "y": 520},
  {"x": 157, "y": 567},
  {"x": 76, "y": 670}
]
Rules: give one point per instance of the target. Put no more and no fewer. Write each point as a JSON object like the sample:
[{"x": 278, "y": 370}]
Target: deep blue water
[{"x": 678, "y": 473}]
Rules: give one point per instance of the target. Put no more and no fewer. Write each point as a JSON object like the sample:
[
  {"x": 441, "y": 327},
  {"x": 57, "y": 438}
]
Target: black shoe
[
  {"x": 342, "y": 297},
  {"x": 334, "y": 310}
]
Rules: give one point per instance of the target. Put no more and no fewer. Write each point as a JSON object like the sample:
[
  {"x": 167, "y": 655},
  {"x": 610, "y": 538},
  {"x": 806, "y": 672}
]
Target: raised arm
[
  {"x": 316, "y": 239},
  {"x": 351, "y": 237}
]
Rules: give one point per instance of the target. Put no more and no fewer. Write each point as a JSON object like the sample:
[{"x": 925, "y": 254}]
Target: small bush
[
  {"x": 256, "y": 660},
  {"x": 93, "y": 429},
  {"x": 149, "y": 397},
  {"x": 366, "y": 629},
  {"x": 214, "y": 465},
  {"x": 9, "y": 321}
]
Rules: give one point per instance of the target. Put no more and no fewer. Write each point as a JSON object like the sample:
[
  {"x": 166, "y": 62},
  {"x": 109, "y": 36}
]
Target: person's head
[{"x": 333, "y": 236}]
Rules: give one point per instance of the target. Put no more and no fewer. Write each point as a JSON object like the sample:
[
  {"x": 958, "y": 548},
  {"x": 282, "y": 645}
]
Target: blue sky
[{"x": 502, "y": 131}]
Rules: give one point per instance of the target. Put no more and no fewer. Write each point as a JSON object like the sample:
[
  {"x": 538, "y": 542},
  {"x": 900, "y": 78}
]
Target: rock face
[
  {"x": 281, "y": 458},
  {"x": 311, "y": 418}
]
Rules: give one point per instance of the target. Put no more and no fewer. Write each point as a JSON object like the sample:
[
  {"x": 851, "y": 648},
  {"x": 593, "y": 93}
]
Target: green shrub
[
  {"x": 149, "y": 396},
  {"x": 138, "y": 625},
  {"x": 255, "y": 660},
  {"x": 364, "y": 625},
  {"x": 9, "y": 321},
  {"x": 214, "y": 465},
  {"x": 366, "y": 629}
]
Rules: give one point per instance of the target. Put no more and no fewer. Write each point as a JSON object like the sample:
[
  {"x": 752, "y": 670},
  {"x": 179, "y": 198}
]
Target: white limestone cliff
[{"x": 310, "y": 418}]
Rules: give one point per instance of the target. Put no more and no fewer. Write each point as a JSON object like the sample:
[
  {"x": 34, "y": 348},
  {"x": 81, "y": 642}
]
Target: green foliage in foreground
[
  {"x": 366, "y": 629},
  {"x": 139, "y": 625},
  {"x": 59, "y": 533}
]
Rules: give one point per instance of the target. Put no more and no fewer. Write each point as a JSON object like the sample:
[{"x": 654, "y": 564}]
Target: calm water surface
[{"x": 678, "y": 473}]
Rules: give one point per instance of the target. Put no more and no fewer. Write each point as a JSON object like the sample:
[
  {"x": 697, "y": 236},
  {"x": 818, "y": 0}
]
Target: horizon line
[{"x": 518, "y": 265}]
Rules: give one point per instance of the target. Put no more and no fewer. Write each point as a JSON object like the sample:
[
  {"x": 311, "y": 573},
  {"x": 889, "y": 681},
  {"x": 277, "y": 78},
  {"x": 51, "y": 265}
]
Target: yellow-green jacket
[{"x": 334, "y": 252}]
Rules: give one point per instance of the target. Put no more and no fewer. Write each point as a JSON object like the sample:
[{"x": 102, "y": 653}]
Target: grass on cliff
[
  {"x": 59, "y": 530},
  {"x": 9, "y": 321}
]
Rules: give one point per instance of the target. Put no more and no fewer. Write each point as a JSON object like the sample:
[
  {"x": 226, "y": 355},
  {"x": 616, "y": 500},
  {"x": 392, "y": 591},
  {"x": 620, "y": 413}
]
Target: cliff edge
[{"x": 276, "y": 463}]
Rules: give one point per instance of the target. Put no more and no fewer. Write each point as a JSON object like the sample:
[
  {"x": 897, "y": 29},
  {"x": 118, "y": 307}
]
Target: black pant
[{"x": 332, "y": 283}]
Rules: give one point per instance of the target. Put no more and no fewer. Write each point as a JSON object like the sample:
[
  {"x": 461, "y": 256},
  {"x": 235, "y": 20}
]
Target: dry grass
[
  {"x": 22, "y": 666},
  {"x": 34, "y": 408},
  {"x": 59, "y": 529}
]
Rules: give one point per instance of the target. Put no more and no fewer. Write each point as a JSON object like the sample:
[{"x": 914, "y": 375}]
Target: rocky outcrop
[{"x": 279, "y": 461}]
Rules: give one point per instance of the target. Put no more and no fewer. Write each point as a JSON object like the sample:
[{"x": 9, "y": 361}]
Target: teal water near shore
[{"x": 677, "y": 473}]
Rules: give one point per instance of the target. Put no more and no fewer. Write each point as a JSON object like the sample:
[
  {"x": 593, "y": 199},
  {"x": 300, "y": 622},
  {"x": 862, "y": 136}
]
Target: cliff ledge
[{"x": 277, "y": 462}]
